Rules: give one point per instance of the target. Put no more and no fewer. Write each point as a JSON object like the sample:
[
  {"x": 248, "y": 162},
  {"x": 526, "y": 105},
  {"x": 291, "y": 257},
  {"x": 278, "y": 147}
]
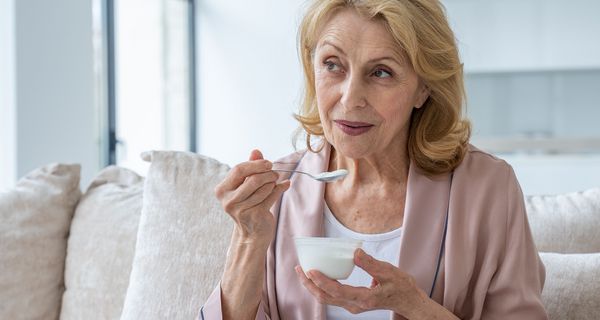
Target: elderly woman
[{"x": 444, "y": 226}]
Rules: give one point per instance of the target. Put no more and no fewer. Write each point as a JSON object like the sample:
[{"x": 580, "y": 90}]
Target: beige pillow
[
  {"x": 182, "y": 238},
  {"x": 101, "y": 246},
  {"x": 572, "y": 288},
  {"x": 566, "y": 223},
  {"x": 34, "y": 222}
]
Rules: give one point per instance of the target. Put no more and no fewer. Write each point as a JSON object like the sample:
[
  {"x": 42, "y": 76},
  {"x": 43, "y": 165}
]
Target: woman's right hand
[{"x": 247, "y": 194}]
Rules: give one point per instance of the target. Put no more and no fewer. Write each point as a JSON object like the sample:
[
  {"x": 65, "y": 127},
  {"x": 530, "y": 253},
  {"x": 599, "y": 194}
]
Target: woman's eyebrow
[
  {"x": 329, "y": 43},
  {"x": 385, "y": 58},
  {"x": 390, "y": 58}
]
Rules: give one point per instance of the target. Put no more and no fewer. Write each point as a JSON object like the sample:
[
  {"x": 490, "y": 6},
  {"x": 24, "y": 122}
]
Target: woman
[{"x": 443, "y": 223}]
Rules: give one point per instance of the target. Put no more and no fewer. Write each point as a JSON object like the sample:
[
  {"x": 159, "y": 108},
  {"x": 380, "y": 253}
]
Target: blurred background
[{"x": 97, "y": 82}]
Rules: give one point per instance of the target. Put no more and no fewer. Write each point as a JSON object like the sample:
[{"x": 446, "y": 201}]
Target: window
[{"x": 150, "y": 47}]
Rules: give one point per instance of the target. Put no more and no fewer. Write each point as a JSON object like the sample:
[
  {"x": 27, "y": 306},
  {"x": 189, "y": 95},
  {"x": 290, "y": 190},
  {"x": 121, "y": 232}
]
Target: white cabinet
[
  {"x": 525, "y": 35},
  {"x": 532, "y": 73}
]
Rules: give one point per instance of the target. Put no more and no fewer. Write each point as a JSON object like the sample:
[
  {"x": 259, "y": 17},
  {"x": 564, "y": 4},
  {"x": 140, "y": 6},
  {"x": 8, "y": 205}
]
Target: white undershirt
[{"x": 382, "y": 246}]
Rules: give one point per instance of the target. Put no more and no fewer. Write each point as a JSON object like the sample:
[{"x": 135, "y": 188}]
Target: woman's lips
[{"x": 353, "y": 128}]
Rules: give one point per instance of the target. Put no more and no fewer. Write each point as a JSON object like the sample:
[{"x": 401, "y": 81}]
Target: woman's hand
[
  {"x": 247, "y": 194},
  {"x": 391, "y": 289}
]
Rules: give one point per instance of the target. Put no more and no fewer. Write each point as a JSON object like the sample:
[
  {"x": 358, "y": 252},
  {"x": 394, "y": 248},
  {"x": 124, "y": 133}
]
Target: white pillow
[
  {"x": 572, "y": 288},
  {"x": 34, "y": 223},
  {"x": 566, "y": 223},
  {"x": 101, "y": 246},
  {"x": 182, "y": 238}
]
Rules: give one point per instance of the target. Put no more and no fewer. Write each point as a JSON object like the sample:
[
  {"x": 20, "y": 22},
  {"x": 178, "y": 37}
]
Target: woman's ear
[{"x": 422, "y": 96}]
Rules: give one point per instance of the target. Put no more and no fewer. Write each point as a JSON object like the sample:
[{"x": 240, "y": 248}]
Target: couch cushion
[
  {"x": 566, "y": 223},
  {"x": 101, "y": 246},
  {"x": 35, "y": 218},
  {"x": 182, "y": 238},
  {"x": 572, "y": 289}
]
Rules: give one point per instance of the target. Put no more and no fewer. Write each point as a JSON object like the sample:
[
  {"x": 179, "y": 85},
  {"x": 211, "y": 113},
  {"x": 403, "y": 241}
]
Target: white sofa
[{"x": 153, "y": 248}]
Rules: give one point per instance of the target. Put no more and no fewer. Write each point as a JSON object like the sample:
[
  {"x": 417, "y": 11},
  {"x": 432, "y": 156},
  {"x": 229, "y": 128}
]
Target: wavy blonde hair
[{"x": 438, "y": 134}]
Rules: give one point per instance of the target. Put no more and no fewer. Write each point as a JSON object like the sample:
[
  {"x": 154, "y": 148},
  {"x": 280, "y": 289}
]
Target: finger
[
  {"x": 379, "y": 270},
  {"x": 256, "y": 155},
  {"x": 251, "y": 185},
  {"x": 258, "y": 196},
  {"x": 347, "y": 297},
  {"x": 238, "y": 174},
  {"x": 374, "y": 283},
  {"x": 319, "y": 294},
  {"x": 276, "y": 193},
  {"x": 337, "y": 290}
]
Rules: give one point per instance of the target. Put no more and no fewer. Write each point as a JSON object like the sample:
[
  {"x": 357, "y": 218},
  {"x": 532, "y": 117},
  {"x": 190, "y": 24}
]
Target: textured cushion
[
  {"x": 35, "y": 218},
  {"x": 572, "y": 289},
  {"x": 177, "y": 263},
  {"x": 566, "y": 223},
  {"x": 101, "y": 246}
]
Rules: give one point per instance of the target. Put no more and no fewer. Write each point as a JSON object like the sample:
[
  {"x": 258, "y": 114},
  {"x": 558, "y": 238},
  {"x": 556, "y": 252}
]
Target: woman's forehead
[{"x": 348, "y": 29}]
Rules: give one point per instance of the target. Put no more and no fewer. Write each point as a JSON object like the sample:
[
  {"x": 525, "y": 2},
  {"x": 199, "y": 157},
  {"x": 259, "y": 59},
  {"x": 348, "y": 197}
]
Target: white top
[{"x": 382, "y": 246}]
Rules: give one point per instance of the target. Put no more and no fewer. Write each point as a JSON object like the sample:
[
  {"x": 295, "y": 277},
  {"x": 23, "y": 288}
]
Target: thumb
[
  {"x": 256, "y": 155},
  {"x": 372, "y": 266}
]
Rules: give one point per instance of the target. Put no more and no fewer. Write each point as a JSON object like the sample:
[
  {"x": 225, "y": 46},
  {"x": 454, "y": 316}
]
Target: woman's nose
[{"x": 353, "y": 93}]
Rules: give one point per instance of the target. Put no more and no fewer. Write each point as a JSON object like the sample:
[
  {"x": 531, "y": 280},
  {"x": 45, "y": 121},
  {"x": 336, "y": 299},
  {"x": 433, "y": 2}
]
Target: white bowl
[{"x": 334, "y": 257}]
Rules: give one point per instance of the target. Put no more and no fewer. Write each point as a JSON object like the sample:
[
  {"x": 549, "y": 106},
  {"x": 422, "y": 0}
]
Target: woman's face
[{"x": 366, "y": 90}]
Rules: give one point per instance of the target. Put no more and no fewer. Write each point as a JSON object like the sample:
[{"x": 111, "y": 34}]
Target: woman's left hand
[{"x": 391, "y": 288}]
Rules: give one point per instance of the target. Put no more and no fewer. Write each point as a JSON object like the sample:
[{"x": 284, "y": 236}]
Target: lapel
[
  {"x": 301, "y": 214},
  {"x": 423, "y": 228}
]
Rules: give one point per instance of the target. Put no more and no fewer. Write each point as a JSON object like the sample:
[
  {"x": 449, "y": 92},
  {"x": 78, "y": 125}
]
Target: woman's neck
[{"x": 384, "y": 169}]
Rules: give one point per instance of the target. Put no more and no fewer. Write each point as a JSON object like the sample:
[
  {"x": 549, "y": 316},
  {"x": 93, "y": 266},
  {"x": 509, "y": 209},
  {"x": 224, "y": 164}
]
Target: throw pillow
[
  {"x": 566, "y": 223},
  {"x": 34, "y": 223},
  {"x": 182, "y": 238},
  {"x": 101, "y": 246},
  {"x": 572, "y": 289}
]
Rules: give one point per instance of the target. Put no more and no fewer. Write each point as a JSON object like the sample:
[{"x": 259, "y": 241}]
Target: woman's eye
[
  {"x": 380, "y": 73},
  {"x": 331, "y": 66}
]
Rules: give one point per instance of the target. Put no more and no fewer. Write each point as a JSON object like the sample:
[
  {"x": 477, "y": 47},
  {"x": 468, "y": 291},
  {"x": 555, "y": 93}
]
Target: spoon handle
[{"x": 284, "y": 170}]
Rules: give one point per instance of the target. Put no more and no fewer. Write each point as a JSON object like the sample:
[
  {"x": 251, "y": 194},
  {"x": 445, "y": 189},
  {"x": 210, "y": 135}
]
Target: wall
[
  {"x": 56, "y": 120},
  {"x": 249, "y": 77},
  {"x": 7, "y": 98},
  {"x": 554, "y": 174}
]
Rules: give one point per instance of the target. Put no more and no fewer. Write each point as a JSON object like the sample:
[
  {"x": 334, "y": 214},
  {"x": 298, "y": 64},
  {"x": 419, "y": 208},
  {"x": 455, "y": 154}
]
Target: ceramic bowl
[{"x": 334, "y": 257}]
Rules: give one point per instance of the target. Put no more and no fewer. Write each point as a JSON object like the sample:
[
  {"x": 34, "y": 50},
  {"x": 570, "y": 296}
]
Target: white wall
[
  {"x": 249, "y": 77},
  {"x": 514, "y": 35},
  {"x": 56, "y": 120},
  {"x": 554, "y": 174},
  {"x": 7, "y": 98}
]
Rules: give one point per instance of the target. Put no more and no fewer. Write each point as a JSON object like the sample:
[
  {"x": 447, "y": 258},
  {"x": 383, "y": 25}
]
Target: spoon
[{"x": 327, "y": 176}]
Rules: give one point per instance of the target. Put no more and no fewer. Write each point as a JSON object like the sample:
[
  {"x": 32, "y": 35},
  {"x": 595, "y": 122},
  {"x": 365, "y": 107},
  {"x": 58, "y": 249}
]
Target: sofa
[{"x": 132, "y": 247}]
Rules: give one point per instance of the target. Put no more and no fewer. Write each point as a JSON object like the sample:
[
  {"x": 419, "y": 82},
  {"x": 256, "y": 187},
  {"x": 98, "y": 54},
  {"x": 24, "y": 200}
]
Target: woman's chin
[{"x": 351, "y": 151}]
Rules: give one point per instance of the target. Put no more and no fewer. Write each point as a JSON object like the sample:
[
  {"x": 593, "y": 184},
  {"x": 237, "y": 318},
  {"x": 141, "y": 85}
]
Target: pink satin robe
[{"x": 490, "y": 268}]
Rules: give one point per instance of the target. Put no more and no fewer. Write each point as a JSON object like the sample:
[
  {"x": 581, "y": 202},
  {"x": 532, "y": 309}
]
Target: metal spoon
[{"x": 327, "y": 176}]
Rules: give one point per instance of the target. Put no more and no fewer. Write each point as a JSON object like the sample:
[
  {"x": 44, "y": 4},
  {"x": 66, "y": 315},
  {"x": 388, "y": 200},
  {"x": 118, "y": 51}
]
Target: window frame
[{"x": 110, "y": 135}]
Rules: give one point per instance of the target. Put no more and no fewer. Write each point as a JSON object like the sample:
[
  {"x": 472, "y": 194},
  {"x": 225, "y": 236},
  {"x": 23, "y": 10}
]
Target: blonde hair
[{"x": 438, "y": 134}]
